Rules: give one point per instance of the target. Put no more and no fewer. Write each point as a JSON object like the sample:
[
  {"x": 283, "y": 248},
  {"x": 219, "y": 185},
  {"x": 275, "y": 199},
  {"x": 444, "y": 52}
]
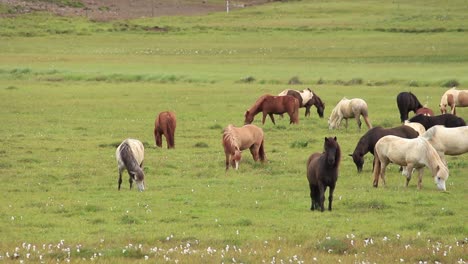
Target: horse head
[
  {"x": 440, "y": 177},
  {"x": 358, "y": 160},
  {"x": 139, "y": 179},
  {"x": 331, "y": 151},
  {"x": 320, "y": 110},
  {"x": 248, "y": 118}
]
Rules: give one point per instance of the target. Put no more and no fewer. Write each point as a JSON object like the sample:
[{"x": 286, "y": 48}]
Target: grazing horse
[
  {"x": 449, "y": 141},
  {"x": 453, "y": 98},
  {"x": 406, "y": 102},
  {"x": 447, "y": 120},
  {"x": 307, "y": 98},
  {"x": 349, "y": 108},
  {"x": 269, "y": 105},
  {"x": 130, "y": 155},
  {"x": 424, "y": 111},
  {"x": 322, "y": 172},
  {"x": 370, "y": 138},
  {"x": 414, "y": 153},
  {"x": 236, "y": 139},
  {"x": 416, "y": 126},
  {"x": 165, "y": 124}
]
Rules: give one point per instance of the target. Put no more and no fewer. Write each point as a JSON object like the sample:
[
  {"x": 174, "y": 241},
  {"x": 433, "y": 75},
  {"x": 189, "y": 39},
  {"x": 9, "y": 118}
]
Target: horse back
[
  {"x": 130, "y": 151},
  {"x": 248, "y": 135}
]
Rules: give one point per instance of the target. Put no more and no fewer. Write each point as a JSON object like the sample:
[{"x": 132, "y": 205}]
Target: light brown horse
[
  {"x": 453, "y": 98},
  {"x": 165, "y": 124},
  {"x": 269, "y": 105},
  {"x": 349, "y": 108},
  {"x": 237, "y": 139}
]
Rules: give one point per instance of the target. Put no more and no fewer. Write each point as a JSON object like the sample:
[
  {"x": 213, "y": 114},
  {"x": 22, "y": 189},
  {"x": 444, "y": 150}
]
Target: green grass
[{"x": 68, "y": 99}]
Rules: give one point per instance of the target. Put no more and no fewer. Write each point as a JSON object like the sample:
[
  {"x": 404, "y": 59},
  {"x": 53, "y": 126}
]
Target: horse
[
  {"x": 269, "y": 105},
  {"x": 406, "y": 102},
  {"x": 367, "y": 142},
  {"x": 322, "y": 172},
  {"x": 425, "y": 111},
  {"x": 416, "y": 126},
  {"x": 236, "y": 139},
  {"x": 414, "y": 153},
  {"x": 130, "y": 155},
  {"x": 453, "y": 98},
  {"x": 348, "y": 108},
  {"x": 306, "y": 98},
  {"x": 448, "y": 141},
  {"x": 165, "y": 124},
  {"x": 447, "y": 120}
]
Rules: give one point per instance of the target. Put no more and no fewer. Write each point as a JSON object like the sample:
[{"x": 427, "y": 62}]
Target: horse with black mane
[
  {"x": 367, "y": 142},
  {"x": 322, "y": 172},
  {"x": 407, "y": 102},
  {"x": 269, "y": 105},
  {"x": 447, "y": 120}
]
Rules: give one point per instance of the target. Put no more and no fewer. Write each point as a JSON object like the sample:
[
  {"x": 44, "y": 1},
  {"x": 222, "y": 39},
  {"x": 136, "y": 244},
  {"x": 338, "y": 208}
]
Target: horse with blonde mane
[
  {"x": 349, "y": 108},
  {"x": 269, "y": 105},
  {"x": 414, "y": 153},
  {"x": 130, "y": 155},
  {"x": 307, "y": 98},
  {"x": 237, "y": 139},
  {"x": 416, "y": 126},
  {"x": 453, "y": 98},
  {"x": 448, "y": 140}
]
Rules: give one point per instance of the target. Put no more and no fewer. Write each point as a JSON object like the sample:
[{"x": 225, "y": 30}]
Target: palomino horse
[
  {"x": 307, "y": 98},
  {"x": 130, "y": 154},
  {"x": 453, "y": 98},
  {"x": 414, "y": 153},
  {"x": 448, "y": 140},
  {"x": 165, "y": 124},
  {"x": 269, "y": 105},
  {"x": 447, "y": 120},
  {"x": 322, "y": 172},
  {"x": 416, "y": 126},
  {"x": 349, "y": 108},
  {"x": 236, "y": 139},
  {"x": 367, "y": 142},
  {"x": 406, "y": 102}
]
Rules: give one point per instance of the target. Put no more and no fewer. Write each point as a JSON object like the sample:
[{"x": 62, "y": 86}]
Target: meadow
[{"x": 71, "y": 90}]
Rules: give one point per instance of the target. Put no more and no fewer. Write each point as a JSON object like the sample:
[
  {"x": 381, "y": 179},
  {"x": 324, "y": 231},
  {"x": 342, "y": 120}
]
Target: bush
[
  {"x": 294, "y": 80},
  {"x": 450, "y": 83},
  {"x": 248, "y": 79}
]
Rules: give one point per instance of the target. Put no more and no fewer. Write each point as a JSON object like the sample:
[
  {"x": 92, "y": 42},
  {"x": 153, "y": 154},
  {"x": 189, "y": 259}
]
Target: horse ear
[
  {"x": 335, "y": 138},
  {"x": 326, "y": 139}
]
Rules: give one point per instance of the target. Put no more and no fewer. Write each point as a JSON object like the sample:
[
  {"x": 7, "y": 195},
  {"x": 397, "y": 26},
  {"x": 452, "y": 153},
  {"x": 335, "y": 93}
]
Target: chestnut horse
[
  {"x": 269, "y": 105},
  {"x": 130, "y": 155},
  {"x": 349, "y": 108},
  {"x": 236, "y": 139},
  {"x": 453, "y": 98},
  {"x": 165, "y": 124},
  {"x": 447, "y": 120},
  {"x": 307, "y": 98},
  {"x": 414, "y": 153},
  {"x": 424, "y": 111},
  {"x": 367, "y": 142},
  {"x": 322, "y": 172},
  {"x": 406, "y": 102}
]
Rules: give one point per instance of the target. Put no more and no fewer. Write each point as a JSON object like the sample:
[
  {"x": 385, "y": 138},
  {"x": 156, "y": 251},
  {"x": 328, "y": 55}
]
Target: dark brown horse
[
  {"x": 370, "y": 138},
  {"x": 165, "y": 124},
  {"x": 322, "y": 172},
  {"x": 407, "y": 102},
  {"x": 425, "y": 111},
  {"x": 447, "y": 120},
  {"x": 269, "y": 105},
  {"x": 317, "y": 102}
]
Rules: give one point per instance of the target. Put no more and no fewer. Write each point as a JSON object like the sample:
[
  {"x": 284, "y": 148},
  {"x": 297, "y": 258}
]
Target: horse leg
[
  {"x": 254, "y": 151},
  {"x": 383, "y": 166},
  {"x": 264, "y": 117},
  {"x": 120, "y": 177},
  {"x": 322, "y": 196},
  {"x": 330, "y": 197},
  {"x": 227, "y": 161},
  {"x": 409, "y": 172},
  {"x": 307, "y": 112},
  {"x": 130, "y": 180},
  {"x": 420, "y": 174},
  {"x": 358, "y": 120},
  {"x": 272, "y": 118},
  {"x": 312, "y": 197}
]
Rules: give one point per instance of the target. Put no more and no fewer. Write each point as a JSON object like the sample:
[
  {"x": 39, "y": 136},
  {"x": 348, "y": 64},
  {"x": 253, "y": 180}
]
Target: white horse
[
  {"x": 349, "y": 108},
  {"x": 416, "y": 126},
  {"x": 305, "y": 96},
  {"x": 453, "y": 98},
  {"x": 130, "y": 155},
  {"x": 413, "y": 153},
  {"x": 448, "y": 140}
]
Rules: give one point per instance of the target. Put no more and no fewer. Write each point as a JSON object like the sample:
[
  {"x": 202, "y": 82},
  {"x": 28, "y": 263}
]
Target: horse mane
[
  {"x": 230, "y": 137},
  {"x": 129, "y": 160},
  {"x": 318, "y": 99},
  {"x": 419, "y": 105},
  {"x": 258, "y": 103},
  {"x": 338, "y": 151}
]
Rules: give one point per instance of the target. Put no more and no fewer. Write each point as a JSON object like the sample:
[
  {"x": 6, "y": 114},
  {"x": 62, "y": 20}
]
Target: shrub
[
  {"x": 299, "y": 144},
  {"x": 294, "y": 80},
  {"x": 450, "y": 83},
  {"x": 248, "y": 79},
  {"x": 201, "y": 145}
]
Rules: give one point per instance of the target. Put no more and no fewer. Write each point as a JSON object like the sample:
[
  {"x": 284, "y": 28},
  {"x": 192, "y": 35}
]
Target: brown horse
[
  {"x": 424, "y": 111},
  {"x": 236, "y": 139},
  {"x": 165, "y": 124},
  {"x": 269, "y": 105},
  {"x": 322, "y": 172},
  {"x": 453, "y": 98}
]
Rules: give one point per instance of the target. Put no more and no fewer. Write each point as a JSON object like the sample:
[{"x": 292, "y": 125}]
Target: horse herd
[{"x": 421, "y": 141}]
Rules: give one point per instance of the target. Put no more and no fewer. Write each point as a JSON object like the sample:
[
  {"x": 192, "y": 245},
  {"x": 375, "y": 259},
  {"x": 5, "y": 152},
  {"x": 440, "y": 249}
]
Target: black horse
[
  {"x": 447, "y": 120},
  {"x": 407, "y": 102},
  {"x": 370, "y": 138},
  {"x": 322, "y": 172}
]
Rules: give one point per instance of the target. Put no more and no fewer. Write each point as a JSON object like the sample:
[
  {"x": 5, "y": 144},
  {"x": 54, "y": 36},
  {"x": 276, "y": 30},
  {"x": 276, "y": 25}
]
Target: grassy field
[{"x": 73, "y": 89}]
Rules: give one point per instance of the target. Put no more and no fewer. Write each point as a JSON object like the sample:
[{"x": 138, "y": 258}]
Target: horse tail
[
  {"x": 377, "y": 166},
  {"x": 171, "y": 126},
  {"x": 295, "y": 114},
  {"x": 365, "y": 114},
  {"x": 261, "y": 152}
]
